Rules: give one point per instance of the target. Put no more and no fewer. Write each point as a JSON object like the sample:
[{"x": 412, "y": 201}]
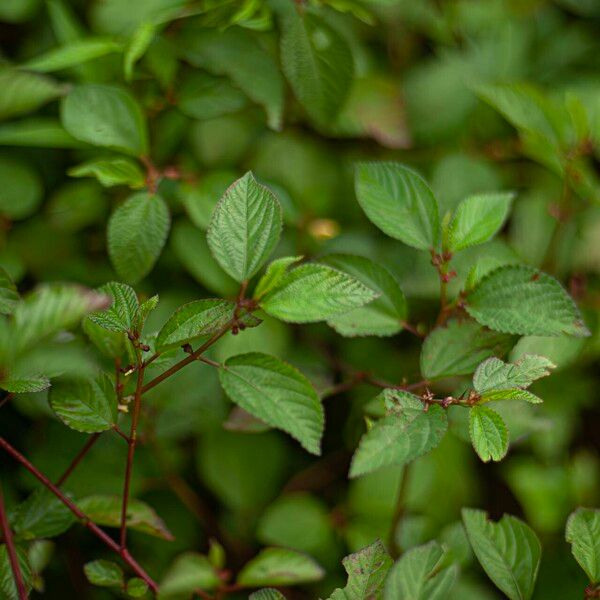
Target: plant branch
[
  {"x": 86, "y": 448},
  {"x": 12, "y": 551},
  {"x": 85, "y": 520}
]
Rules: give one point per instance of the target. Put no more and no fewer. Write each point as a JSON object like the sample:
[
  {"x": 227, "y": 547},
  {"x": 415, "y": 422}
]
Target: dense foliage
[{"x": 299, "y": 299}]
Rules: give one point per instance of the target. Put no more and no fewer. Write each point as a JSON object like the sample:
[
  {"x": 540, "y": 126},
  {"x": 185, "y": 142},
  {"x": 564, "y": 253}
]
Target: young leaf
[
  {"x": 106, "y": 116},
  {"x": 583, "y": 533},
  {"x": 106, "y": 510},
  {"x": 477, "y": 219},
  {"x": 137, "y": 232},
  {"x": 383, "y": 316},
  {"x": 72, "y": 54},
  {"x": 403, "y": 435},
  {"x": 488, "y": 432},
  {"x": 41, "y": 515},
  {"x": 192, "y": 320},
  {"x": 276, "y": 393},
  {"x": 245, "y": 227},
  {"x": 104, "y": 573},
  {"x": 266, "y": 594},
  {"x": 8, "y": 588},
  {"x": 524, "y": 301},
  {"x": 279, "y": 566},
  {"x": 421, "y": 575},
  {"x": 37, "y": 132},
  {"x": 121, "y": 314},
  {"x": 367, "y": 570},
  {"x": 118, "y": 170},
  {"x": 190, "y": 571},
  {"x": 273, "y": 275},
  {"x": 136, "y": 48},
  {"x": 9, "y": 296},
  {"x": 136, "y": 587},
  {"x": 458, "y": 347},
  {"x": 399, "y": 202},
  {"x": 318, "y": 64},
  {"x": 494, "y": 374},
  {"x": 52, "y": 308},
  {"x": 22, "y": 383},
  {"x": 88, "y": 406},
  {"x": 509, "y": 551},
  {"x": 314, "y": 292}
]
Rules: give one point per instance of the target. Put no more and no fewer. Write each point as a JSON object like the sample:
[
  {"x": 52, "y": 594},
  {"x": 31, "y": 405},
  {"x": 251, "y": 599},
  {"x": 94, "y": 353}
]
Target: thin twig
[
  {"x": 6, "y": 399},
  {"x": 85, "y": 520},
  {"x": 12, "y": 551},
  {"x": 86, "y": 448}
]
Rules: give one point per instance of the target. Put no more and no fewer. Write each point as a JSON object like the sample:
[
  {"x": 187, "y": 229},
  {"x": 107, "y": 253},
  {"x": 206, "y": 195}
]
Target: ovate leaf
[
  {"x": 136, "y": 587},
  {"x": 488, "y": 432},
  {"x": 399, "y": 202},
  {"x": 106, "y": 510},
  {"x": 104, "y": 573},
  {"x": 245, "y": 227},
  {"x": 112, "y": 171},
  {"x": 495, "y": 374},
  {"x": 367, "y": 570},
  {"x": 41, "y": 515},
  {"x": 137, "y": 232},
  {"x": 139, "y": 42},
  {"x": 8, "y": 587},
  {"x": 382, "y": 316},
  {"x": 318, "y": 63},
  {"x": 583, "y": 533},
  {"x": 406, "y": 433},
  {"x": 190, "y": 571},
  {"x": 509, "y": 551},
  {"x": 279, "y": 566},
  {"x": 37, "y": 132},
  {"x": 524, "y": 301},
  {"x": 106, "y": 116},
  {"x": 421, "y": 575},
  {"x": 88, "y": 406},
  {"x": 314, "y": 292},
  {"x": 22, "y": 383},
  {"x": 458, "y": 347},
  {"x": 276, "y": 393},
  {"x": 477, "y": 219},
  {"x": 122, "y": 312},
  {"x": 192, "y": 320},
  {"x": 273, "y": 275}
]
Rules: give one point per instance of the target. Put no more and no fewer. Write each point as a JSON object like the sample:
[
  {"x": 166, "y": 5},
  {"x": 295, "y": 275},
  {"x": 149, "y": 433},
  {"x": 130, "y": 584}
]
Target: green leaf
[
  {"x": 9, "y": 296},
  {"x": 41, "y": 515},
  {"x": 509, "y": 551},
  {"x": 146, "y": 308},
  {"x": 266, "y": 594},
  {"x": 52, "y": 308},
  {"x": 407, "y": 432},
  {"x": 477, "y": 219},
  {"x": 276, "y": 393},
  {"x": 383, "y": 316},
  {"x": 106, "y": 510},
  {"x": 458, "y": 347},
  {"x": 367, "y": 570},
  {"x": 37, "y": 132},
  {"x": 105, "y": 116},
  {"x": 399, "y": 202},
  {"x": 136, "y": 587},
  {"x": 193, "y": 320},
  {"x": 421, "y": 574},
  {"x": 314, "y": 292},
  {"x": 122, "y": 313},
  {"x": 494, "y": 374},
  {"x": 88, "y": 406},
  {"x": 318, "y": 63},
  {"x": 583, "y": 533},
  {"x": 8, "y": 587},
  {"x": 488, "y": 432},
  {"x": 245, "y": 227},
  {"x": 117, "y": 170},
  {"x": 190, "y": 571},
  {"x": 279, "y": 566},
  {"x": 139, "y": 42},
  {"x": 73, "y": 54},
  {"x": 238, "y": 54},
  {"x": 104, "y": 573},
  {"x": 137, "y": 232},
  {"x": 23, "y": 189},
  {"x": 524, "y": 301},
  {"x": 24, "y": 92},
  {"x": 273, "y": 275},
  {"x": 20, "y": 384}
]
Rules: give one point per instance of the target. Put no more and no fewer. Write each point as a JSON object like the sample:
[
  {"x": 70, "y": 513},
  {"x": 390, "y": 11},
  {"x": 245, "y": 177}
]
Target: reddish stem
[
  {"x": 12, "y": 552},
  {"x": 85, "y": 520},
  {"x": 86, "y": 448}
]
